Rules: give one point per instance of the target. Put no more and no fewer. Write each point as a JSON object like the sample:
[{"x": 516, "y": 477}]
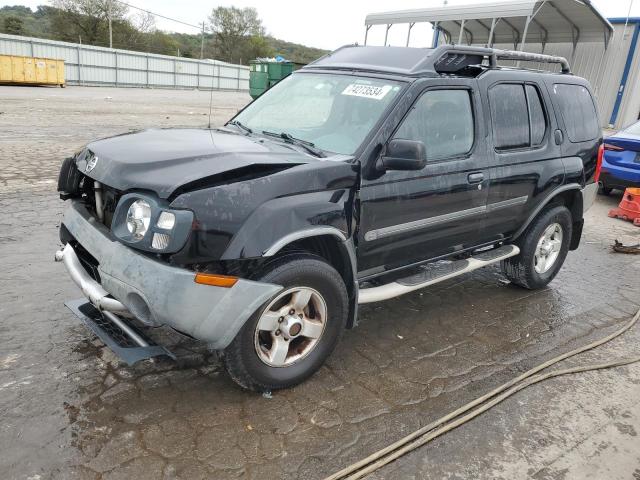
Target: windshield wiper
[
  {"x": 240, "y": 125},
  {"x": 288, "y": 138}
]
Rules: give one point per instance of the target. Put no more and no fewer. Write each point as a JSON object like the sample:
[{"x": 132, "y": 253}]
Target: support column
[
  {"x": 409, "y": 32},
  {"x": 461, "y": 32},
  {"x": 386, "y": 34},
  {"x": 491, "y": 32},
  {"x": 436, "y": 34},
  {"x": 524, "y": 37},
  {"x": 524, "y": 34}
]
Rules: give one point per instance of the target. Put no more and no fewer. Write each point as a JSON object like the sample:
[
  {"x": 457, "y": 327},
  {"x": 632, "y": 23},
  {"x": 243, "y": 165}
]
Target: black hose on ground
[{"x": 454, "y": 419}]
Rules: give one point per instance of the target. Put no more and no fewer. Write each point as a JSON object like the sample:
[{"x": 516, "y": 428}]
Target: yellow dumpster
[{"x": 29, "y": 70}]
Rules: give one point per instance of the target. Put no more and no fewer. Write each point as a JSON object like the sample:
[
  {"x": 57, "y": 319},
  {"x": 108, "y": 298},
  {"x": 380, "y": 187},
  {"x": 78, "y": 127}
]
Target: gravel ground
[{"x": 70, "y": 409}]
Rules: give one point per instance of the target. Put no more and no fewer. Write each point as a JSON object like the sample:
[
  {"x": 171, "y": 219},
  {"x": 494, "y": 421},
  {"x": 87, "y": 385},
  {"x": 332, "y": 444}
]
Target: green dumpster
[{"x": 265, "y": 73}]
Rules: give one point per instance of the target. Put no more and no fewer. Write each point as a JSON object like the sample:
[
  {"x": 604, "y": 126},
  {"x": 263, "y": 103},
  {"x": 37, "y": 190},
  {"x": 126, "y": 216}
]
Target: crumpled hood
[{"x": 162, "y": 160}]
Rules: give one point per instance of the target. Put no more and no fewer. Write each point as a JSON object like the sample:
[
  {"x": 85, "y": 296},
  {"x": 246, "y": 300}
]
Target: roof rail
[
  {"x": 532, "y": 57},
  {"x": 451, "y": 58}
]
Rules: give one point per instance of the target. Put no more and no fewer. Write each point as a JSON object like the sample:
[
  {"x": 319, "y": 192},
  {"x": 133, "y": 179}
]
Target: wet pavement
[{"x": 70, "y": 409}]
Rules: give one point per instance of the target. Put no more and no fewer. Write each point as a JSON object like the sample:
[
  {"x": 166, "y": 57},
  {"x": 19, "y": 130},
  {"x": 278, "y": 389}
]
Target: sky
[{"x": 326, "y": 24}]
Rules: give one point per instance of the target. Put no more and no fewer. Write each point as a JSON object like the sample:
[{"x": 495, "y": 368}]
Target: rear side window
[
  {"x": 510, "y": 116},
  {"x": 443, "y": 121},
  {"x": 578, "y": 112},
  {"x": 518, "y": 116}
]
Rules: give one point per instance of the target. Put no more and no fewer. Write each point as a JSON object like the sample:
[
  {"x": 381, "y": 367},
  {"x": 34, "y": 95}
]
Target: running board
[{"x": 435, "y": 273}]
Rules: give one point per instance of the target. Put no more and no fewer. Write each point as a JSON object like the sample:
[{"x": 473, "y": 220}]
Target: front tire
[
  {"x": 543, "y": 249},
  {"x": 293, "y": 333}
]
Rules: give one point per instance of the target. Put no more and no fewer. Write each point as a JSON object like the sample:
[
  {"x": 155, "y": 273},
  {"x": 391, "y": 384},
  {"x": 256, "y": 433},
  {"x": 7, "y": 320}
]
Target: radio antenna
[{"x": 210, "y": 102}]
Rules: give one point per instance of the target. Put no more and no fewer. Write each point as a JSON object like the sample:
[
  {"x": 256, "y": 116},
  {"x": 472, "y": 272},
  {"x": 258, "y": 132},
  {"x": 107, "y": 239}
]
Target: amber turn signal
[{"x": 216, "y": 280}]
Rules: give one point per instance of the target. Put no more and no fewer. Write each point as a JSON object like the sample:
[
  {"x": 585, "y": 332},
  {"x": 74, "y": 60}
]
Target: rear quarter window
[
  {"x": 578, "y": 112},
  {"x": 536, "y": 113}
]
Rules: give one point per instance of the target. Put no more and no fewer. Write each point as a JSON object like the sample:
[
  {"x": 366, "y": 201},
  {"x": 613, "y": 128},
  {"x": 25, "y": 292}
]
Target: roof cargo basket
[{"x": 453, "y": 58}]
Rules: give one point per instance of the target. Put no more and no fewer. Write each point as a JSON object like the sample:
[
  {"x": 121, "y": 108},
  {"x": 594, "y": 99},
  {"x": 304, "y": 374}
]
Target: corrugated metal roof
[
  {"x": 555, "y": 21},
  {"x": 517, "y": 8}
]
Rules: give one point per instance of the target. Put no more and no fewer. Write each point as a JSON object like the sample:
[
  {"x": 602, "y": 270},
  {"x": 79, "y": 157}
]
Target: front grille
[{"x": 110, "y": 198}]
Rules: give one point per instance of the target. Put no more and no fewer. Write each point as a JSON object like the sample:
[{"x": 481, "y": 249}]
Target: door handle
[
  {"x": 558, "y": 137},
  {"x": 475, "y": 177}
]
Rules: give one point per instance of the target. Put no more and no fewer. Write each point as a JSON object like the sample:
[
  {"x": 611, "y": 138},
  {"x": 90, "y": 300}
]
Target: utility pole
[
  {"x": 202, "y": 43},
  {"x": 110, "y": 27}
]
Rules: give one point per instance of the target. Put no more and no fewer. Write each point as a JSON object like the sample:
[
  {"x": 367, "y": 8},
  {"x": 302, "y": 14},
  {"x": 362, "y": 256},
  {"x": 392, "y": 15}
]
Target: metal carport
[{"x": 514, "y": 23}]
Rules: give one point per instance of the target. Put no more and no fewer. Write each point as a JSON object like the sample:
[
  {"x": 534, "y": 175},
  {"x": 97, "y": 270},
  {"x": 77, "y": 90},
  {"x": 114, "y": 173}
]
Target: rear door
[
  {"x": 526, "y": 162},
  {"x": 582, "y": 134},
  {"x": 406, "y": 217}
]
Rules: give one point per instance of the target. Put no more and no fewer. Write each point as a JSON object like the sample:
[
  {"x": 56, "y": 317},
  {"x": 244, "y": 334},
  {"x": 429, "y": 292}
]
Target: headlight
[
  {"x": 138, "y": 218},
  {"x": 146, "y": 222}
]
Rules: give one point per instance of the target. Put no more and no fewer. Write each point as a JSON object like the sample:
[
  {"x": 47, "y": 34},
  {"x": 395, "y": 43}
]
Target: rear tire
[
  {"x": 604, "y": 190},
  {"x": 254, "y": 359},
  {"x": 543, "y": 249}
]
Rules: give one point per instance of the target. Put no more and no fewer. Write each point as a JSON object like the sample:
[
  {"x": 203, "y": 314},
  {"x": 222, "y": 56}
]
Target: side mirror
[{"x": 404, "y": 155}]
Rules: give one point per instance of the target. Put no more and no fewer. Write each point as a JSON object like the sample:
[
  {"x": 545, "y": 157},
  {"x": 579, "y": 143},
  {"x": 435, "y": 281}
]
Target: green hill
[{"x": 55, "y": 24}]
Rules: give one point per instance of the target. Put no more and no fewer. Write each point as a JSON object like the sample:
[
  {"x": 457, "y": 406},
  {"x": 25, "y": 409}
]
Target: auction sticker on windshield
[{"x": 367, "y": 91}]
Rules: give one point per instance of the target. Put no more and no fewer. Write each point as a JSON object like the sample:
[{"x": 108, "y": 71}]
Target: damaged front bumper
[{"x": 134, "y": 284}]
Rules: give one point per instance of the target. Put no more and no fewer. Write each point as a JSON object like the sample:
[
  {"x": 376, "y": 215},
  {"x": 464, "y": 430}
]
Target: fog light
[
  {"x": 166, "y": 221},
  {"x": 160, "y": 241}
]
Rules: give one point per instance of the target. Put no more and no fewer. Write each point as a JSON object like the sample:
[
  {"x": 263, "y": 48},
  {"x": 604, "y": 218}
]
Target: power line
[{"x": 199, "y": 27}]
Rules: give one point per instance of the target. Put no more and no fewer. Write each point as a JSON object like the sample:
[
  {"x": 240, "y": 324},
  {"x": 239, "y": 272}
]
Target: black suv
[{"x": 368, "y": 174}]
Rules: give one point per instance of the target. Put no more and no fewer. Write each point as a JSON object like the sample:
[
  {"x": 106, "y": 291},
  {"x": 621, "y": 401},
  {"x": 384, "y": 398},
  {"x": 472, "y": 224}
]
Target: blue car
[{"x": 621, "y": 162}]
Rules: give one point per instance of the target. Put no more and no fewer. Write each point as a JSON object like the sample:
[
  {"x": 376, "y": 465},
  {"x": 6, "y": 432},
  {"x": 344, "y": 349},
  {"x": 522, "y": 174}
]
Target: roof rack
[
  {"x": 452, "y": 58},
  {"x": 424, "y": 61}
]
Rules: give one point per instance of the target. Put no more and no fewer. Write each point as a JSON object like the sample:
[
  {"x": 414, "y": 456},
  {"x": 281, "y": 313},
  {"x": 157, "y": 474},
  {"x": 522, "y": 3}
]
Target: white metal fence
[{"x": 88, "y": 65}]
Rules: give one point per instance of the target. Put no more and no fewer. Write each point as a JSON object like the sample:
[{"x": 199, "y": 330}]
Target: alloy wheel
[
  {"x": 548, "y": 248},
  {"x": 290, "y": 327}
]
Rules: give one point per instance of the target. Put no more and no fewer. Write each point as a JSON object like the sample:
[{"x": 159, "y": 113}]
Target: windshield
[{"x": 334, "y": 112}]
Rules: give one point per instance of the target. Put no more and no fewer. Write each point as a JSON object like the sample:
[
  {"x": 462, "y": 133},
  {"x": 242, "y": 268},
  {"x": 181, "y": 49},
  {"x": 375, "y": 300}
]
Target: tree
[
  {"x": 89, "y": 18},
  {"x": 255, "y": 47},
  {"x": 13, "y": 25},
  {"x": 144, "y": 22},
  {"x": 138, "y": 33},
  {"x": 237, "y": 31}
]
